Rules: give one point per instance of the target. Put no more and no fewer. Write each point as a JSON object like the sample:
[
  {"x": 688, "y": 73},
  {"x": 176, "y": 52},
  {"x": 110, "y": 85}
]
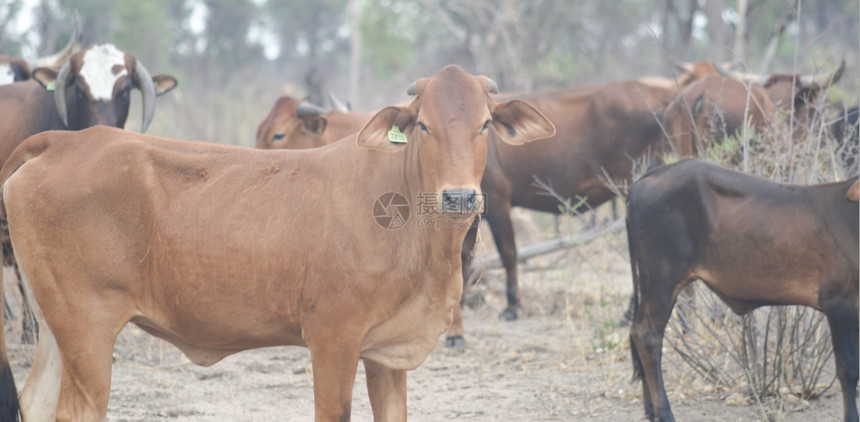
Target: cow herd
[{"x": 219, "y": 249}]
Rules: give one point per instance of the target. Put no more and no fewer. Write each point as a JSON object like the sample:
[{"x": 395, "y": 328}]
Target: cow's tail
[
  {"x": 633, "y": 311},
  {"x": 10, "y": 409}
]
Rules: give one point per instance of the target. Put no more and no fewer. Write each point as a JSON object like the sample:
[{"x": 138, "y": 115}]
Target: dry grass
[{"x": 780, "y": 356}]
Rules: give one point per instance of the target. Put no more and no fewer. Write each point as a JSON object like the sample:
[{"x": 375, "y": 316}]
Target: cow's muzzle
[{"x": 462, "y": 201}]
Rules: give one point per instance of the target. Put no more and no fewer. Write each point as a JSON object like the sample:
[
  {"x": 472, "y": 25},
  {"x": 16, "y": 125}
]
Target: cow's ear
[
  {"x": 853, "y": 193},
  {"x": 314, "y": 125},
  {"x": 375, "y": 134},
  {"x": 163, "y": 84},
  {"x": 518, "y": 122},
  {"x": 46, "y": 77}
]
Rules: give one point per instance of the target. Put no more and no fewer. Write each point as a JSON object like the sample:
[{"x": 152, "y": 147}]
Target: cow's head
[
  {"x": 445, "y": 131},
  {"x": 799, "y": 90},
  {"x": 293, "y": 124},
  {"x": 787, "y": 90},
  {"x": 94, "y": 87},
  {"x": 13, "y": 69}
]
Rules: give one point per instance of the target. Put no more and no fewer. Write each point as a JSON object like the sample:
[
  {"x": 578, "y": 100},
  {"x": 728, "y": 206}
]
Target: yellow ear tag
[
  {"x": 51, "y": 85},
  {"x": 396, "y": 136}
]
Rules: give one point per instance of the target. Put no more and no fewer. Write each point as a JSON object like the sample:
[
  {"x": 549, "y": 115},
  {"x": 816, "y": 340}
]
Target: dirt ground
[{"x": 565, "y": 359}]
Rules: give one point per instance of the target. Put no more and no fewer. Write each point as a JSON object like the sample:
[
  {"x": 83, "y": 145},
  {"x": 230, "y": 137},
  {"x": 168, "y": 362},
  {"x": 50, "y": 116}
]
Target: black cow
[{"x": 754, "y": 243}]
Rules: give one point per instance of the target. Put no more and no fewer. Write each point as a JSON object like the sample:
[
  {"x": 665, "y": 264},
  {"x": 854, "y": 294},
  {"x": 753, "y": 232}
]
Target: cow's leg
[
  {"x": 334, "y": 361},
  {"x": 455, "y": 337},
  {"x": 646, "y": 333},
  {"x": 41, "y": 393},
  {"x": 499, "y": 218},
  {"x": 29, "y": 326},
  {"x": 86, "y": 347},
  {"x": 83, "y": 332},
  {"x": 844, "y": 333},
  {"x": 386, "y": 389}
]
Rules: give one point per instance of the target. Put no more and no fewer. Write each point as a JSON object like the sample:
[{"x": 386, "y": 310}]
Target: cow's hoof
[
  {"x": 473, "y": 299},
  {"x": 455, "y": 341},
  {"x": 508, "y": 315}
]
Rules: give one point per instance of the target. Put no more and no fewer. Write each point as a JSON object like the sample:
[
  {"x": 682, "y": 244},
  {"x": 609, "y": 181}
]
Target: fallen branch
[{"x": 479, "y": 265}]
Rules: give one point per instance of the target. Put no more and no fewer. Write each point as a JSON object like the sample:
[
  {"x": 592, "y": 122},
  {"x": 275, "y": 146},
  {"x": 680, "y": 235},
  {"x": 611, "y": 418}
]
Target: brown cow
[
  {"x": 298, "y": 124},
  {"x": 711, "y": 108},
  {"x": 220, "y": 249},
  {"x": 751, "y": 241},
  {"x": 719, "y": 105},
  {"x": 598, "y": 127}
]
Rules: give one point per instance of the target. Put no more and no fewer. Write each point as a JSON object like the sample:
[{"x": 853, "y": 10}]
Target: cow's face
[
  {"x": 13, "y": 70},
  {"x": 292, "y": 124},
  {"x": 94, "y": 88},
  {"x": 445, "y": 132}
]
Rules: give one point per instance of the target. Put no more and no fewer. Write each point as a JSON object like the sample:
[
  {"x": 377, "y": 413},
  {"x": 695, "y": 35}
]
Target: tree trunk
[
  {"x": 740, "y": 44},
  {"x": 355, "y": 44},
  {"x": 714, "y": 13}
]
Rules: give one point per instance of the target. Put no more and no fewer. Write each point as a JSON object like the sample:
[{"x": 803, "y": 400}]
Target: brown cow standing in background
[
  {"x": 754, "y": 243},
  {"x": 220, "y": 249},
  {"x": 719, "y": 105},
  {"x": 597, "y": 127}
]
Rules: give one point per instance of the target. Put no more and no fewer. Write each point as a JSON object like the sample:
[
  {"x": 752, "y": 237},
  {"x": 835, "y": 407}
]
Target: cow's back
[
  {"x": 597, "y": 127},
  {"x": 703, "y": 216}
]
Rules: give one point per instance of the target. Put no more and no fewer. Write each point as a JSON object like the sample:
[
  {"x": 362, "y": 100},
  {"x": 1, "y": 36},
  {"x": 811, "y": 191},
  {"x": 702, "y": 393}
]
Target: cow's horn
[
  {"x": 62, "y": 80},
  {"x": 740, "y": 76},
  {"x": 684, "y": 67},
  {"x": 413, "y": 87},
  {"x": 58, "y": 59},
  {"x": 308, "y": 110},
  {"x": 336, "y": 102},
  {"x": 492, "y": 87},
  {"x": 823, "y": 81},
  {"x": 143, "y": 82}
]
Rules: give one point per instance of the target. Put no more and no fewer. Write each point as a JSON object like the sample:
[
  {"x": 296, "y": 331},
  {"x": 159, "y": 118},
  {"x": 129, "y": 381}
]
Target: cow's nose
[{"x": 461, "y": 201}]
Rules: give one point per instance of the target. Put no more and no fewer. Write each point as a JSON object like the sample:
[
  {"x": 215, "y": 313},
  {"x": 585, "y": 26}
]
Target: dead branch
[{"x": 480, "y": 264}]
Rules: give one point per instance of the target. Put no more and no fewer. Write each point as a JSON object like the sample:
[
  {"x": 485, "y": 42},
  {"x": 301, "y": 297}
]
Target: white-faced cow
[
  {"x": 298, "y": 124},
  {"x": 92, "y": 88},
  {"x": 220, "y": 249},
  {"x": 754, "y": 243}
]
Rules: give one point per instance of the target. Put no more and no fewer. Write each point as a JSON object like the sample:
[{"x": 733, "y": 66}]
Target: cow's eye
[
  {"x": 422, "y": 127},
  {"x": 278, "y": 136},
  {"x": 486, "y": 125}
]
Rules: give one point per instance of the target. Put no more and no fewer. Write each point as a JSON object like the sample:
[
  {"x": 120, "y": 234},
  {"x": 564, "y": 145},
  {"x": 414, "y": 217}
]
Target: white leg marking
[{"x": 41, "y": 394}]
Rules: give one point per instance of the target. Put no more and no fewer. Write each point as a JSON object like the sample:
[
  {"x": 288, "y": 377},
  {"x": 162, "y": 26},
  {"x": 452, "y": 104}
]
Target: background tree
[{"x": 234, "y": 57}]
